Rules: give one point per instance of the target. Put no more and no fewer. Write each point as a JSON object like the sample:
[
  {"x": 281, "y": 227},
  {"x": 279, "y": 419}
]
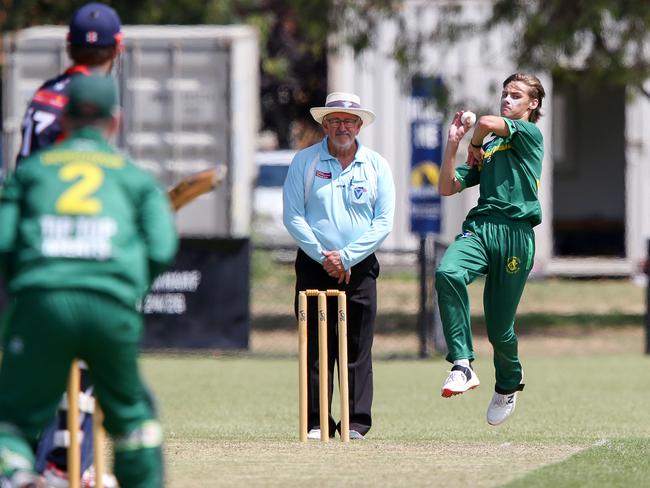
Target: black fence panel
[{"x": 203, "y": 300}]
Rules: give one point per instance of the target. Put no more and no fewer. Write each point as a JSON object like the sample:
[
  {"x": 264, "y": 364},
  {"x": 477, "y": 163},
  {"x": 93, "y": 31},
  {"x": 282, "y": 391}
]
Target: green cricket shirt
[
  {"x": 81, "y": 215},
  {"x": 510, "y": 174}
]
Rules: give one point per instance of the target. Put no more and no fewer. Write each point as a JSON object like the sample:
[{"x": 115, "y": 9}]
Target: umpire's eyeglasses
[{"x": 346, "y": 122}]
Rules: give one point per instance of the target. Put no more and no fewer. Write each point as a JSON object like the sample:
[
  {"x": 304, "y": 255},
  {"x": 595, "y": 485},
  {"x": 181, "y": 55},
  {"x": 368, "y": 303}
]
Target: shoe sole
[{"x": 446, "y": 393}]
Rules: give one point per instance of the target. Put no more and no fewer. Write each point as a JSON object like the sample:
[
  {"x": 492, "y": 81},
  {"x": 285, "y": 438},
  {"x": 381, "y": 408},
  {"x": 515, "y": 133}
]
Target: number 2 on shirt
[{"x": 78, "y": 198}]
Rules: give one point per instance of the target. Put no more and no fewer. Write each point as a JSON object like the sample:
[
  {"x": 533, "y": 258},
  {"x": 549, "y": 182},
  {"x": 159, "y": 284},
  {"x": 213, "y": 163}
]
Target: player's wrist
[{"x": 476, "y": 146}]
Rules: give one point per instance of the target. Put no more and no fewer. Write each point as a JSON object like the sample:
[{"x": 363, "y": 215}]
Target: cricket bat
[{"x": 195, "y": 185}]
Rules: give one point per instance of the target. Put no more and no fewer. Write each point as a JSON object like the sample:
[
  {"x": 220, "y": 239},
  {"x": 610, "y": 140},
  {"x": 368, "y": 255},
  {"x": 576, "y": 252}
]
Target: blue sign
[{"x": 426, "y": 156}]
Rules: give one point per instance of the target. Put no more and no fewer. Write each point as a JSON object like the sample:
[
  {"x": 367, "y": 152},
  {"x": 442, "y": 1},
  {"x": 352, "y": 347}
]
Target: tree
[
  {"x": 605, "y": 39},
  {"x": 293, "y": 41},
  {"x": 596, "y": 41}
]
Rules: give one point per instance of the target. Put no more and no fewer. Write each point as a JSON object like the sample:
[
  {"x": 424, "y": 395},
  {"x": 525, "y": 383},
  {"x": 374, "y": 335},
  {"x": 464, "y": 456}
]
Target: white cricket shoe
[
  {"x": 501, "y": 407},
  {"x": 356, "y": 436},
  {"x": 314, "y": 434},
  {"x": 460, "y": 380}
]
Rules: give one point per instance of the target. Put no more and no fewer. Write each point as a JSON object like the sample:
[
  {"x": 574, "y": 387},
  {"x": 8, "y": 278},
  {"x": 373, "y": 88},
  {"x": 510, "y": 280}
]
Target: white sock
[{"x": 462, "y": 362}]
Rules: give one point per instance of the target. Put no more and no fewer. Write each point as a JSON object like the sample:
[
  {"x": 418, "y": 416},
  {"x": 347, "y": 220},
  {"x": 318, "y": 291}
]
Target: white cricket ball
[{"x": 468, "y": 119}]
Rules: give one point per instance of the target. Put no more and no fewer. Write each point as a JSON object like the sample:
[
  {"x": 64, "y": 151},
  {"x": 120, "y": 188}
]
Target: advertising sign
[{"x": 426, "y": 156}]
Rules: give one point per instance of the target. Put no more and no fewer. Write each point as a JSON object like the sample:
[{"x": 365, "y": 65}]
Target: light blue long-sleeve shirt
[{"x": 350, "y": 211}]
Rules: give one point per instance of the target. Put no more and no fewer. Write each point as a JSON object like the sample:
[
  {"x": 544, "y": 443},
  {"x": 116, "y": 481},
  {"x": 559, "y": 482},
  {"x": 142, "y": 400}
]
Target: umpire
[
  {"x": 84, "y": 232},
  {"x": 339, "y": 201}
]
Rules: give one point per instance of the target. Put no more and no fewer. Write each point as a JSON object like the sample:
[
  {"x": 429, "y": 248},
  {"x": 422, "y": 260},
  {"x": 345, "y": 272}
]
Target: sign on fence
[
  {"x": 426, "y": 155},
  {"x": 202, "y": 301}
]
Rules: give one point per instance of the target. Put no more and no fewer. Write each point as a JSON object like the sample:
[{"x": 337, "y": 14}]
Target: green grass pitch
[{"x": 583, "y": 420}]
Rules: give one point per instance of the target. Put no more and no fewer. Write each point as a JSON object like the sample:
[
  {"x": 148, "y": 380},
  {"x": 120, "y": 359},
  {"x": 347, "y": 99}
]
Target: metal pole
[
  {"x": 423, "y": 315},
  {"x": 647, "y": 292}
]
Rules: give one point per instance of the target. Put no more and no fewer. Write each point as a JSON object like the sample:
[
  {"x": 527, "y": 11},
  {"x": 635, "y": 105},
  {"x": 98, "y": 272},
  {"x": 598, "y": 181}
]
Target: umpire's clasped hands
[{"x": 334, "y": 266}]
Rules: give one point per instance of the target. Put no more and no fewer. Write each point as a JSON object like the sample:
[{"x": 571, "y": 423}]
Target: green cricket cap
[{"x": 92, "y": 96}]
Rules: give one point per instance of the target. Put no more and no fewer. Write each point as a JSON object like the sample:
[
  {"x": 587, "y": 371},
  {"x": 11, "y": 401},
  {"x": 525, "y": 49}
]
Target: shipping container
[{"x": 190, "y": 98}]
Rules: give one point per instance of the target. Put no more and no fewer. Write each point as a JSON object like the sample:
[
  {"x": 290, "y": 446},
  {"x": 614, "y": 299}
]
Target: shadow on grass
[
  {"x": 529, "y": 323},
  {"x": 620, "y": 462}
]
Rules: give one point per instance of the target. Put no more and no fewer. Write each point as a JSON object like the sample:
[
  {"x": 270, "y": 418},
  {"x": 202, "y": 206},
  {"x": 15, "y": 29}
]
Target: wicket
[
  {"x": 323, "y": 375},
  {"x": 74, "y": 448}
]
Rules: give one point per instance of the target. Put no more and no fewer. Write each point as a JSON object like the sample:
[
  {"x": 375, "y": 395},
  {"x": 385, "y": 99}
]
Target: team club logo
[
  {"x": 513, "y": 264},
  {"x": 425, "y": 175},
  {"x": 91, "y": 37}
]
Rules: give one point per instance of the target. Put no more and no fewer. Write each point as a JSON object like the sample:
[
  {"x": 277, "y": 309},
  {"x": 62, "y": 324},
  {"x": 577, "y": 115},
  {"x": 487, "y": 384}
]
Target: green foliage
[
  {"x": 592, "y": 42},
  {"x": 315, "y": 19},
  {"x": 603, "y": 39}
]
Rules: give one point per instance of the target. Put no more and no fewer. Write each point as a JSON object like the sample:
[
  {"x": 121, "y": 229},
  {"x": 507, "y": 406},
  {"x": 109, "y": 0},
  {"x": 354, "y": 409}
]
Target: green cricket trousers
[
  {"x": 45, "y": 331},
  {"x": 503, "y": 251}
]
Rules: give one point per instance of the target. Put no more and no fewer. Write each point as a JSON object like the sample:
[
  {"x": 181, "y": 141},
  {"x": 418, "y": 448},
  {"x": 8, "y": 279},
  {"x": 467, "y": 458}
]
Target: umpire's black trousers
[{"x": 361, "y": 295}]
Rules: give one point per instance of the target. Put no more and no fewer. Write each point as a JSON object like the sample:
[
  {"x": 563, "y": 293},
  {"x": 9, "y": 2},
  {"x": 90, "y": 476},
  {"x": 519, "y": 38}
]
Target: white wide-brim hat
[{"x": 348, "y": 103}]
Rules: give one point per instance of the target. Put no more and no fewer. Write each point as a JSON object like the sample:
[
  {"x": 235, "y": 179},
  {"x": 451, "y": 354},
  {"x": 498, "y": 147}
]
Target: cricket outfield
[{"x": 583, "y": 420}]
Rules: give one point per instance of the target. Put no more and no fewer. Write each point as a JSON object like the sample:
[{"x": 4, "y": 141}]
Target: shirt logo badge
[
  {"x": 359, "y": 194},
  {"x": 513, "y": 264},
  {"x": 324, "y": 175}
]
